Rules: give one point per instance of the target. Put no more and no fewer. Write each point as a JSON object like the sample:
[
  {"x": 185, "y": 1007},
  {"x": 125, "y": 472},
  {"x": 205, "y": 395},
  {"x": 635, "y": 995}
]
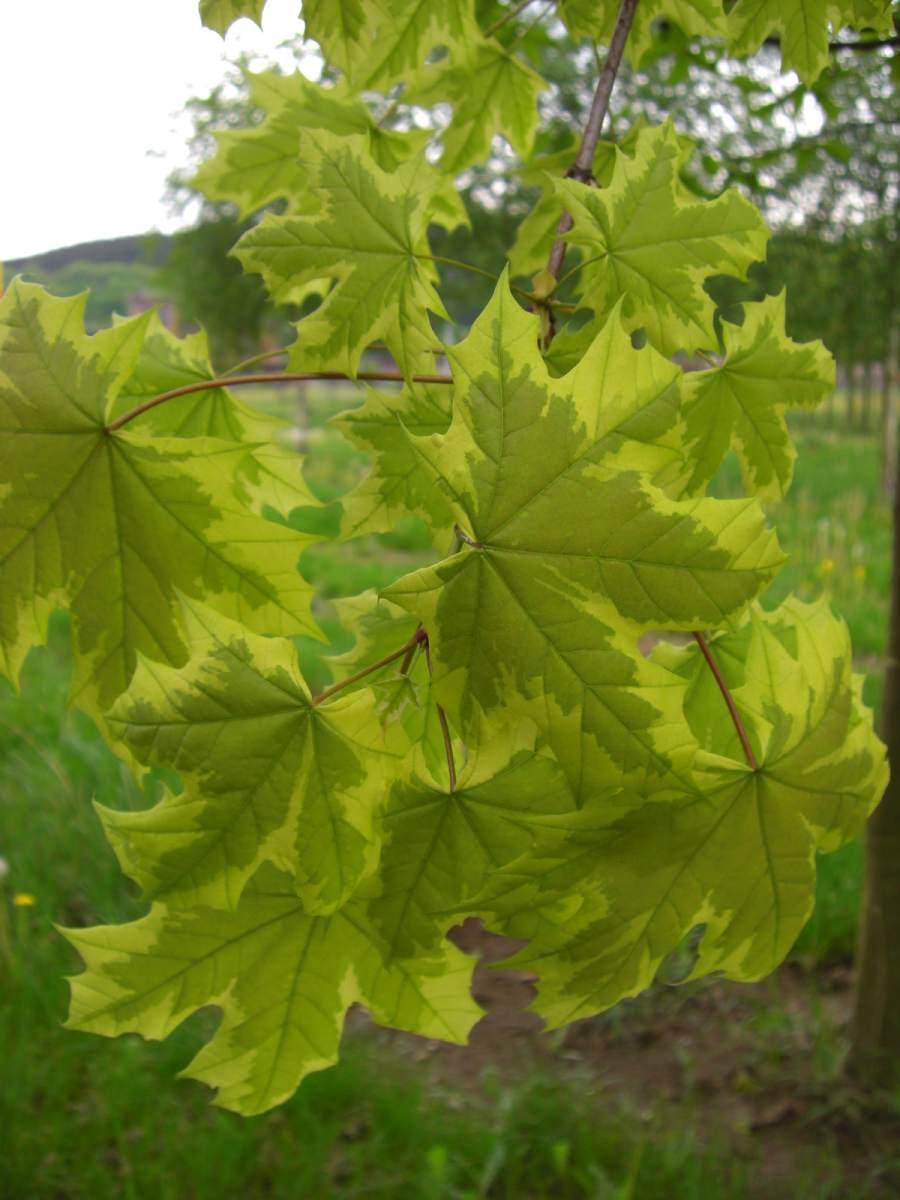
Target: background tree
[{"x": 209, "y": 288}]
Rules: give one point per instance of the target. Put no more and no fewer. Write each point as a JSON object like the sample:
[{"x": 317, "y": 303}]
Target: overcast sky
[{"x": 90, "y": 94}]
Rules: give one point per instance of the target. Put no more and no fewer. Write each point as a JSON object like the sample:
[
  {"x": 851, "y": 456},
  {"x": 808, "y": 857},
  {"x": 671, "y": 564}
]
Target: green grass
[
  {"x": 82, "y": 1116},
  {"x": 830, "y": 933}
]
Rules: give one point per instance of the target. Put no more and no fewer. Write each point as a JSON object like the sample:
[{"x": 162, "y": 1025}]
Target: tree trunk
[
  {"x": 888, "y": 454},
  {"x": 875, "y": 1047},
  {"x": 889, "y": 449},
  {"x": 867, "y": 398}
]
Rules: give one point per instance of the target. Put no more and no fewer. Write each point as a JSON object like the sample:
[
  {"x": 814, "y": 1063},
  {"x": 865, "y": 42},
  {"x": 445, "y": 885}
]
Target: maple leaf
[
  {"x": 596, "y": 19},
  {"x": 110, "y": 524},
  {"x": 377, "y": 626},
  {"x": 265, "y": 474},
  {"x": 268, "y": 775},
  {"x": 396, "y": 487},
  {"x": 737, "y": 863},
  {"x": 282, "y": 978},
  {"x": 569, "y": 547},
  {"x": 537, "y": 231},
  {"x": 741, "y": 403},
  {"x": 651, "y": 245},
  {"x": 402, "y": 695},
  {"x": 804, "y": 27},
  {"x": 254, "y": 167},
  {"x": 370, "y": 237},
  {"x": 491, "y": 89},
  {"x": 442, "y": 844},
  {"x": 380, "y": 41},
  {"x": 220, "y": 15},
  {"x": 383, "y": 41}
]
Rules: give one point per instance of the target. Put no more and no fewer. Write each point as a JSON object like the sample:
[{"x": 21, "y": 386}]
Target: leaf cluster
[{"x": 579, "y": 724}]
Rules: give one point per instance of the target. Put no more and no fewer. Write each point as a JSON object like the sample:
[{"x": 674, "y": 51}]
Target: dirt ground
[{"x": 754, "y": 1066}]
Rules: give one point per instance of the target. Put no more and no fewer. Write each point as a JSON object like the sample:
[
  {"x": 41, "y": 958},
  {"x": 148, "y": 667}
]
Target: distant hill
[
  {"x": 119, "y": 274},
  {"x": 143, "y": 249}
]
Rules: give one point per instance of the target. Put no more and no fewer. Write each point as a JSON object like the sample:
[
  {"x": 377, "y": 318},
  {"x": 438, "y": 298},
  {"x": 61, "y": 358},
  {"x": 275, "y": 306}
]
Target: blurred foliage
[{"x": 208, "y": 286}]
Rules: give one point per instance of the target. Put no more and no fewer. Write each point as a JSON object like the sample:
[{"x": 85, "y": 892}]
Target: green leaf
[
  {"x": 268, "y": 775},
  {"x": 492, "y": 91},
  {"x": 536, "y": 233},
  {"x": 442, "y": 846},
  {"x": 653, "y": 246},
  {"x": 254, "y": 167},
  {"x": 596, "y": 19},
  {"x": 165, "y": 362},
  {"x": 378, "y": 42},
  {"x": 401, "y": 692},
  {"x": 220, "y": 15},
  {"x": 737, "y": 864},
  {"x": 339, "y": 26},
  {"x": 408, "y": 30},
  {"x": 370, "y": 237},
  {"x": 266, "y": 474},
  {"x": 283, "y": 980},
  {"x": 378, "y": 627},
  {"x": 571, "y": 547},
  {"x": 804, "y": 27},
  {"x": 741, "y": 403},
  {"x": 111, "y": 524},
  {"x": 396, "y": 486}
]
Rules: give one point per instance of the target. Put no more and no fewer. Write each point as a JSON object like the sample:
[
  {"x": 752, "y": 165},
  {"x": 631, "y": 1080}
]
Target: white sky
[{"x": 89, "y": 95}]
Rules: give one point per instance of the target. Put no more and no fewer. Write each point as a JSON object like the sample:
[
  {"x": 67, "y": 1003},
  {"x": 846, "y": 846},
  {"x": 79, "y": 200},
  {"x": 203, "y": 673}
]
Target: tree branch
[
  {"x": 872, "y": 44},
  {"x": 583, "y": 166},
  {"x": 208, "y": 385},
  {"x": 729, "y": 700},
  {"x": 869, "y": 44},
  {"x": 418, "y": 638}
]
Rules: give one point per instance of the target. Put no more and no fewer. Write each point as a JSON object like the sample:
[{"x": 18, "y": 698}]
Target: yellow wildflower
[
  {"x": 24, "y": 900},
  {"x": 826, "y": 566},
  {"x": 859, "y": 572}
]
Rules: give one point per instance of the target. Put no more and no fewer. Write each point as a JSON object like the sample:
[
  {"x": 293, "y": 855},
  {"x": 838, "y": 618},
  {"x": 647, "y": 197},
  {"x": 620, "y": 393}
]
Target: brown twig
[
  {"x": 418, "y": 637},
  {"x": 461, "y": 536},
  {"x": 583, "y": 166},
  {"x": 206, "y": 385},
  {"x": 254, "y": 359},
  {"x": 729, "y": 700}
]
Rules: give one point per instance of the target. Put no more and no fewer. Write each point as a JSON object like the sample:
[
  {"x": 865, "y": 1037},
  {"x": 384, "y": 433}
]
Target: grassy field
[{"x": 81, "y": 1116}]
